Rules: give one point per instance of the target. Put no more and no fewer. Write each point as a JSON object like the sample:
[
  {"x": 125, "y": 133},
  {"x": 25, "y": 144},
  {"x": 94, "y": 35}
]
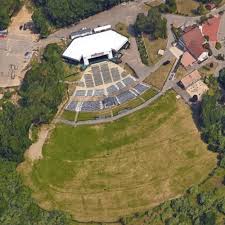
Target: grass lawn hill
[
  {"x": 158, "y": 78},
  {"x": 122, "y": 28},
  {"x": 181, "y": 72},
  {"x": 208, "y": 69},
  {"x": 152, "y": 47},
  {"x": 186, "y": 7},
  {"x": 103, "y": 172}
]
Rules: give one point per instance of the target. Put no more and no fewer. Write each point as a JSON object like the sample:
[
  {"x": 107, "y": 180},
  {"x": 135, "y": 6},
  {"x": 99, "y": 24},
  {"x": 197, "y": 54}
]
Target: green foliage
[
  {"x": 7, "y": 9},
  {"x": 65, "y": 12},
  {"x": 201, "y": 9},
  {"x": 17, "y": 207},
  {"x": 41, "y": 93},
  {"x": 153, "y": 24},
  {"x": 185, "y": 210},
  {"x": 221, "y": 78},
  {"x": 218, "y": 45},
  {"x": 170, "y": 6},
  {"x": 142, "y": 50},
  {"x": 217, "y": 2},
  {"x": 41, "y": 24}
]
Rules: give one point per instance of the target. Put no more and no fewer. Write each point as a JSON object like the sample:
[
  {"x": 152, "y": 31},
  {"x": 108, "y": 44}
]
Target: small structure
[
  {"x": 161, "y": 52},
  {"x": 192, "y": 40},
  {"x": 81, "y": 33},
  {"x": 190, "y": 79},
  {"x": 187, "y": 60},
  {"x": 102, "y": 28}
]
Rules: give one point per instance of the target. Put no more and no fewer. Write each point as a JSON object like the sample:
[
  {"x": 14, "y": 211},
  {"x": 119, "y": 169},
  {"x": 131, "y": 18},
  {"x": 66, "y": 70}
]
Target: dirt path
[{"x": 35, "y": 150}]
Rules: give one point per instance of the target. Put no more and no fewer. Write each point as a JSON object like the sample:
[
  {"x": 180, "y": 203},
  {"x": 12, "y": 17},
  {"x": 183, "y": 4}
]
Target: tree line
[
  {"x": 40, "y": 94},
  {"x": 7, "y": 9},
  {"x": 65, "y": 12}
]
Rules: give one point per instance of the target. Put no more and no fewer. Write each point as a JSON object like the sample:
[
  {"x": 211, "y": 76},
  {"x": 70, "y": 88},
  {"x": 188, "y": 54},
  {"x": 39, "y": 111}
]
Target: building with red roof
[
  {"x": 187, "y": 60},
  {"x": 210, "y": 28},
  {"x": 193, "y": 40}
]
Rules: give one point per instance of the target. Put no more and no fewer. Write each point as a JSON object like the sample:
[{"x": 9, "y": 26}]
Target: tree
[
  {"x": 65, "y": 12},
  {"x": 152, "y": 24},
  {"x": 171, "y": 6},
  {"x": 7, "y": 9},
  {"x": 201, "y": 9},
  {"x": 218, "y": 45},
  {"x": 40, "y": 23},
  {"x": 221, "y": 77},
  {"x": 17, "y": 206}
]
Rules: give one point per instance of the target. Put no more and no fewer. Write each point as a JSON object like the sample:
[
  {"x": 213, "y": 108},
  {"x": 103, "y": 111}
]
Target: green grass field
[
  {"x": 152, "y": 48},
  {"x": 187, "y": 7},
  {"x": 158, "y": 78},
  {"x": 99, "y": 173}
]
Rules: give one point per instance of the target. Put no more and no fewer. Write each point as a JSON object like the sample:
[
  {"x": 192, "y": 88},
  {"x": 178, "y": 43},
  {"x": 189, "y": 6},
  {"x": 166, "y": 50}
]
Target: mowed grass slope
[{"x": 99, "y": 173}]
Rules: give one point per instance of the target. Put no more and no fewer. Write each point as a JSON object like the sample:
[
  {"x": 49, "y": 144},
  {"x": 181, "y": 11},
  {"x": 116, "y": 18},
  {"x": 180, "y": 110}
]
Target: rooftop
[
  {"x": 191, "y": 78},
  {"x": 96, "y": 44},
  {"x": 187, "y": 59},
  {"x": 194, "y": 40},
  {"x": 210, "y": 28}
]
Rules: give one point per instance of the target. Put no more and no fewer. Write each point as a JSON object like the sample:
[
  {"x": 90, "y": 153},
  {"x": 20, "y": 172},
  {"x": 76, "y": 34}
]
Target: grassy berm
[{"x": 100, "y": 173}]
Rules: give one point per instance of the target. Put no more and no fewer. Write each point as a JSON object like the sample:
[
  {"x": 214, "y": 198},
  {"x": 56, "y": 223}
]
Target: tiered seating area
[
  {"x": 91, "y": 106},
  {"x": 97, "y": 75},
  {"x": 112, "y": 89},
  {"x": 72, "y": 106},
  {"x": 110, "y": 102},
  {"x": 80, "y": 93},
  {"x": 105, "y": 87},
  {"x": 125, "y": 97},
  {"x": 115, "y": 74},
  {"x": 120, "y": 85},
  {"x": 89, "y": 80},
  {"x": 90, "y": 93},
  {"x": 128, "y": 81},
  {"x": 141, "y": 88},
  {"x": 106, "y": 74},
  {"x": 99, "y": 92}
]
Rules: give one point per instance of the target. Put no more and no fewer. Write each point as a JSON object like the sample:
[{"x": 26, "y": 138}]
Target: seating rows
[
  {"x": 141, "y": 88},
  {"x": 90, "y": 106},
  {"x": 125, "y": 97}
]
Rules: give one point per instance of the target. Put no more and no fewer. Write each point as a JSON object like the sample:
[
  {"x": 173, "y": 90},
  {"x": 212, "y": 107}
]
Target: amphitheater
[{"x": 104, "y": 85}]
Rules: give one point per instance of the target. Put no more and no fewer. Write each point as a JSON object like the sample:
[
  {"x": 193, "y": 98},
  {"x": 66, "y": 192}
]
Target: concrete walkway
[{"x": 111, "y": 119}]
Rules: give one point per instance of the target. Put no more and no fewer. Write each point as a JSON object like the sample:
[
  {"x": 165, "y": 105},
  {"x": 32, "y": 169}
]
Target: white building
[{"x": 96, "y": 45}]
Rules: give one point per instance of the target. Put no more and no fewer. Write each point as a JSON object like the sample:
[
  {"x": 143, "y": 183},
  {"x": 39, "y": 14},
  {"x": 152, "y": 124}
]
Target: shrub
[{"x": 218, "y": 45}]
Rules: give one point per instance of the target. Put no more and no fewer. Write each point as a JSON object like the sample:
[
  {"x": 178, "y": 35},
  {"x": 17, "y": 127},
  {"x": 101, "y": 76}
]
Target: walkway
[{"x": 111, "y": 119}]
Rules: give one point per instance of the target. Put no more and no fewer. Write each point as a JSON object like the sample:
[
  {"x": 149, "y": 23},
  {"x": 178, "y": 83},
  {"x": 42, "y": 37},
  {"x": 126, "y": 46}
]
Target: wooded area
[
  {"x": 65, "y": 12},
  {"x": 7, "y": 9},
  {"x": 153, "y": 24},
  {"x": 41, "y": 93}
]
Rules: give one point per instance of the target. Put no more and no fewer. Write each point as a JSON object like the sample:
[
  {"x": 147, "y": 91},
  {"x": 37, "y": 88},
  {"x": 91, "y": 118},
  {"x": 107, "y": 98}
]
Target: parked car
[{"x": 166, "y": 63}]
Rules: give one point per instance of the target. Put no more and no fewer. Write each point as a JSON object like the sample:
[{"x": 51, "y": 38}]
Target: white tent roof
[{"x": 88, "y": 46}]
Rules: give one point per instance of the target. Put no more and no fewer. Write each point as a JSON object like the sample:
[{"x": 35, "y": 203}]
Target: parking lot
[{"x": 16, "y": 50}]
